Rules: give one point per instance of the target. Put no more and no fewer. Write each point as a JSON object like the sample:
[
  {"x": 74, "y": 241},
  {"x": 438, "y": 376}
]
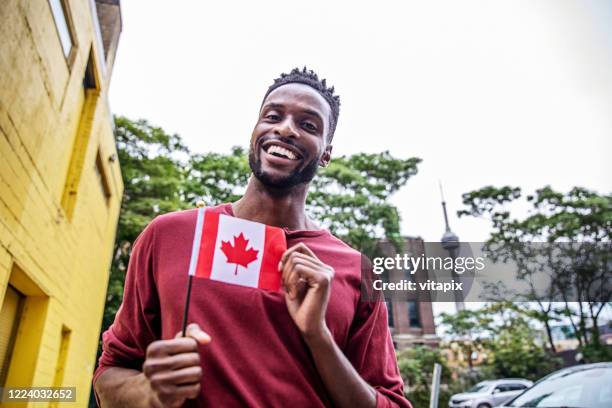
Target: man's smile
[{"x": 280, "y": 152}]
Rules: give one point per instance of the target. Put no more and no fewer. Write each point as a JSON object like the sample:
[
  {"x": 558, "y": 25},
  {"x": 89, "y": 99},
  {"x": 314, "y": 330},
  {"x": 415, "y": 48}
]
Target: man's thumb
[{"x": 193, "y": 330}]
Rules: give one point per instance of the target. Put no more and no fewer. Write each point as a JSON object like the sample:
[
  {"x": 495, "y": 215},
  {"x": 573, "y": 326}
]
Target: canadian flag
[{"x": 237, "y": 251}]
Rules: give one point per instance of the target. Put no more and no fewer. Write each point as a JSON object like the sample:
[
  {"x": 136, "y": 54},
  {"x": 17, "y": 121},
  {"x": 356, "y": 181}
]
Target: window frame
[
  {"x": 67, "y": 14},
  {"x": 419, "y": 324},
  {"x": 103, "y": 177}
]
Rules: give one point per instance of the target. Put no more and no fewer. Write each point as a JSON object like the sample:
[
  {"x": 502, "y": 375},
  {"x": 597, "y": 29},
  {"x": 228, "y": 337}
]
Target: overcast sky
[{"x": 505, "y": 92}]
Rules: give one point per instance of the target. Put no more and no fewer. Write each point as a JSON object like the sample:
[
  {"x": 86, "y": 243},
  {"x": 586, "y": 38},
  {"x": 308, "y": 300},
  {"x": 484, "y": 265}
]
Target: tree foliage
[
  {"x": 469, "y": 328},
  {"x": 416, "y": 366},
  {"x": 579, "y": 215},
  {"x": 503, "y": 332},
  {"x": 516, "y": 347},
  {"x": 153, "y": 179},
  {"x": 351, "y": 197},
  {"x": 574, "y": 229},
  {"x": 217, "y": 178}
]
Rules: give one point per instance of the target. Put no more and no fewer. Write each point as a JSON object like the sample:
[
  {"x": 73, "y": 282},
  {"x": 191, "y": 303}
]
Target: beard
[{"x": 297, "y": 176}]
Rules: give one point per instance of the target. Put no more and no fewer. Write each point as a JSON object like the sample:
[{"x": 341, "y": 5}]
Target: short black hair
[{"x": 310, "y": 78}]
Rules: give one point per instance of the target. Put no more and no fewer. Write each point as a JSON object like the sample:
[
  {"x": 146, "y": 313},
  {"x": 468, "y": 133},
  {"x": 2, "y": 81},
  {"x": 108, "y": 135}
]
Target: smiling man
[{"x": 313, "y": 344}]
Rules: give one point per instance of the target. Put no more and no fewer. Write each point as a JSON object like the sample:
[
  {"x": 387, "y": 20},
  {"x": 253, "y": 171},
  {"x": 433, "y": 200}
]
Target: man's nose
[{"x": 286, "y": 128}]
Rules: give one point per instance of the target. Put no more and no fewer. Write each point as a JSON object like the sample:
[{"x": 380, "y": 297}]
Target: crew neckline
[{"x": 227, "y": 209}]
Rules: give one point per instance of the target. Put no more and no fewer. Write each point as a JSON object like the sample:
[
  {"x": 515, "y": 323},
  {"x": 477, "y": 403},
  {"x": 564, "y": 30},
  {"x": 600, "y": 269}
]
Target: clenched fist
[
  {"x": 307, "y": 283},
  {"x": 173, "y": 368}
]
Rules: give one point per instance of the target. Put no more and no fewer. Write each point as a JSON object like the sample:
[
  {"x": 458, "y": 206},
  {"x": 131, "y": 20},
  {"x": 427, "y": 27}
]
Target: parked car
[
  {"x": 582, "y": 386},
  {"x": 488, "y": 394}
]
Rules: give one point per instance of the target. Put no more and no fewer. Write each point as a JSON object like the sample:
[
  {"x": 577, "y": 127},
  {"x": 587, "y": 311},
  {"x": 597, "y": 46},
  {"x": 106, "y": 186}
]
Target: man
[{"x": 313, "y": 344}]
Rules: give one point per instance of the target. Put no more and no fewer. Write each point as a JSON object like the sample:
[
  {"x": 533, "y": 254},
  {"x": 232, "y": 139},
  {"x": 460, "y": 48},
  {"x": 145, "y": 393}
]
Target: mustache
[{"x": 283, "y": 139}]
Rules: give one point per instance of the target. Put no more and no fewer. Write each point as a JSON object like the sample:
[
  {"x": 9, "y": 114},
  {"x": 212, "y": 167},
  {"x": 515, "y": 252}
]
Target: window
[
  {"x": 480, "y": 387},
  {"x": 25, "y": 307},
  {"x": 89, "y": 79},
  {"x": 506, "y": 388},
  {"x": 102, "y": 177},
  {"x": 63, "y": 24},
  {"x": 389, "y": 313},
  {"x": 499, "y": 388},
  {"x": 9, "y": 321},
  {"x": 413, "y": 314},
  {"x": 81, "y": 139}
]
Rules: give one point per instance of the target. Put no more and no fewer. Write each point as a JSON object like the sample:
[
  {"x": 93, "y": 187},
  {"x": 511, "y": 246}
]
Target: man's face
[{"x": 289, "y": 141}]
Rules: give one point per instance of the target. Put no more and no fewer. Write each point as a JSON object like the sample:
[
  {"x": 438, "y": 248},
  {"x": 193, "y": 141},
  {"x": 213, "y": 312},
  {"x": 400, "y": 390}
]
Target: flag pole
[
  {"x": 186, "y": 309},
  {"x": 195, "y": 250}
]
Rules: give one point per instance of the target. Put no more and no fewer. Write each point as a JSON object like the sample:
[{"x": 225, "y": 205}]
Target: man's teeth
[{"x": 282, "y": 152}]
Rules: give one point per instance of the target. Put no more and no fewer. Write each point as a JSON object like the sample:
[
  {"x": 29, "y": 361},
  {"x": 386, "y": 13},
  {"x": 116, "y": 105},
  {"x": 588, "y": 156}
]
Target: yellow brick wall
[{"x": 60, "y": 263}]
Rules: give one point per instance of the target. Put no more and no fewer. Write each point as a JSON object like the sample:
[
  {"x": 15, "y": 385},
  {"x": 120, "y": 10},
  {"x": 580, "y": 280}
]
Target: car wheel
[{"x": 483, "y": 406}]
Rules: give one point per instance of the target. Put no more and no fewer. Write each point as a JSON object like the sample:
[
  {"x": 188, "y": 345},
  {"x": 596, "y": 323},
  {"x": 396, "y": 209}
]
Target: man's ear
[{"x": 326, "y": 156}]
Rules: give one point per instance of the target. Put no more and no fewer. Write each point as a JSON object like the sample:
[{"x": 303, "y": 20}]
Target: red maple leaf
[{"x": 238, "y": 253}]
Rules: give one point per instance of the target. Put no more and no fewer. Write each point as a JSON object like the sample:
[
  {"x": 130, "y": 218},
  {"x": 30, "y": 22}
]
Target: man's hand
[
  {"x": 307, "y": 283},
  {"x": 172, "y": 368}
]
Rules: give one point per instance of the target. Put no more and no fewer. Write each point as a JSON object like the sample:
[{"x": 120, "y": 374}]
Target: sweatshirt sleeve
[
  {"x": 370, "y": 350},
  {"x": 137, "y": 322}
]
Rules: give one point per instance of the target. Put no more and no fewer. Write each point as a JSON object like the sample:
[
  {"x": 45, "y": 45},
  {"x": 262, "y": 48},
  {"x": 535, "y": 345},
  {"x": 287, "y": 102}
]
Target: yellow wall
[{"x": 60, "y": 262}]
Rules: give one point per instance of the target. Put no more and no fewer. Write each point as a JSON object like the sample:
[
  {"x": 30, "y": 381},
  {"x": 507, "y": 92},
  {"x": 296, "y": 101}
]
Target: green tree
[
  {"x": 469, "y": 329},
  {"x": 351, "y": 197},
  {"x": 515, "y": 347},
  {"x": 153, "y": 179},
  {"x": 579, "y": 224},
  {"x": 416, "y": 366},
  {"x": 217, "y": 178},
  {"x": 503, "y": 331}
]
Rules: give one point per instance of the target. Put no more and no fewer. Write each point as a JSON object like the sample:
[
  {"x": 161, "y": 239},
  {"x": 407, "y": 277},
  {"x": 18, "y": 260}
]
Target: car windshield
[
  {"x": 480, "y": 387},
  {"x": 590, "y": 387}
]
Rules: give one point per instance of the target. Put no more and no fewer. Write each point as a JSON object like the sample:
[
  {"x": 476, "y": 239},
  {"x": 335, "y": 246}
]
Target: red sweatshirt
[{"x": 257, "y": 357}]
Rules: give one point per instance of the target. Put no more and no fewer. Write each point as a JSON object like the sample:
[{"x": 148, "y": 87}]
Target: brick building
[{"x": 411, "y": 319}]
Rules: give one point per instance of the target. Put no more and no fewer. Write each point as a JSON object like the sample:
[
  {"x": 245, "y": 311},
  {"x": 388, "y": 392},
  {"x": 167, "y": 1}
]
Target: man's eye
[
  {"x": 309, "y": 126},
  {"x": 272, "y": 116}
]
